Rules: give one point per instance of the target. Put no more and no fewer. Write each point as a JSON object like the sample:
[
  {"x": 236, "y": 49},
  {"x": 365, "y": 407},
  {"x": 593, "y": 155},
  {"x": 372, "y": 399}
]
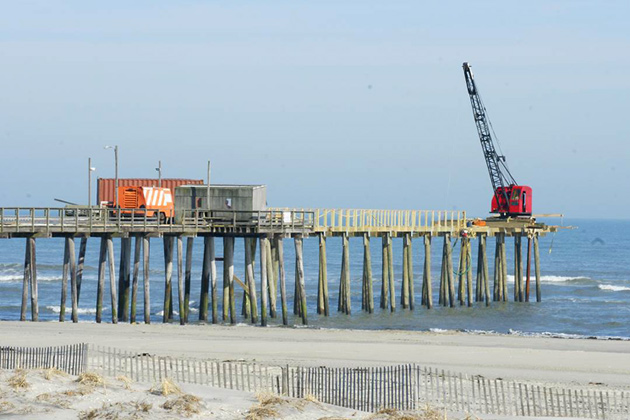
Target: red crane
[{"x": 510, "y": 199}]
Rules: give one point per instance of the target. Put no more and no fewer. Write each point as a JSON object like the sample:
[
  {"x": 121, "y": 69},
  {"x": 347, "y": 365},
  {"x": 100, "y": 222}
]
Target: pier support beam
[
  {"x": 272, "y": 282},
  {"x": 462, "y": 271},
  {"x": 483, "y": 289},
  {"x": 449, "y": 270},
  {"x": 33, "y": 275},
  {"x": 80, "y": 264},
  {"x": 504, "y": 268},
  {"x": 229, "y": 305},
  {"x": 27, "y": 280},
  {"x": 322, "y": 288},
  {"x": 390, "y": 266},
  {"x": 204, "y": 297},
  {"x": 64, "y": 280},
  {"x": 168, "y": 276},
  {"x": 112, "y": 278},
  {"x": 264, "y": 287},
  {"x": 529, "y": 267},
  {"x": 518, "y": 269},
  {"x": 344, "y": 304},
  {"x": 146, "y": 251},
  {"x": 251, "y": 299},
  {"x": 299, "y": 267},
  {"x": 282, "y": 277},
  {"x": 469, "y": 271},
  {"x": 537, "y": 268},
  {"x": 385, "y": 273},
  {"x": 124, "y": 279},
  {"x": 188, "y": 276},
  {"x": 427, "y": 293},
  {"x": 30, "y": 281},
  {"x": 180, "y": 280},
  {"x": 406, "y": 293},
  {"x": 134, "y": 282},
  {"x": 100, "y": 288},
  {"x": 368, "y": 289},
  {"x": 73, "y": 280},
  {"x": 443, "y": 300}
]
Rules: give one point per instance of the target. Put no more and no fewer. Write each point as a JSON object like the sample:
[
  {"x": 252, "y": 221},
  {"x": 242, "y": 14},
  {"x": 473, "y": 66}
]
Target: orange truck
[{"x": 158, "y": 201}]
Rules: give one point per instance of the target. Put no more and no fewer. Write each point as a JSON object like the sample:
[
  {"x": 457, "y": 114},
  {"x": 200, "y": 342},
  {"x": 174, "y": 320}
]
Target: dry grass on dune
[
  {"x": 51, "y": 373},
  {"x": 125, "y": 381},
  {"x": 186, "y": 405},
  {"x": 18, "y": 380},
  {"x": 166, "y": 388},
  {"x": 427, "y": 413},
  {"x": 91, "y": 379}
]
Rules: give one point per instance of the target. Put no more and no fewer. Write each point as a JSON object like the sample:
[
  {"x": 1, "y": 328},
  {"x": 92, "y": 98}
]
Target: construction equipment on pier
[{"x": 510, "y": 199}]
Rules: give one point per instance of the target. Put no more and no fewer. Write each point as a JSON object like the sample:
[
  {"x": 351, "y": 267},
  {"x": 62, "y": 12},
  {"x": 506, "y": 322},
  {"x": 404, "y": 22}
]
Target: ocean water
[{"x": 585, "y": 284}]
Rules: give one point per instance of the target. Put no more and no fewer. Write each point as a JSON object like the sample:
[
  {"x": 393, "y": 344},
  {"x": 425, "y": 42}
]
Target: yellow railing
[{"x": 362, "y": 220}]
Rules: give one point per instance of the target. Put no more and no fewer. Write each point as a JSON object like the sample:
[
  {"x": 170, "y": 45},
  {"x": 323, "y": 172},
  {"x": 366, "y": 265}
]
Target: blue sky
[{"x": 330, "y": 103}]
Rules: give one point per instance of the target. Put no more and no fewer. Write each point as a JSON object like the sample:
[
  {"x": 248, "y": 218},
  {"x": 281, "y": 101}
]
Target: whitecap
[
  {"x": 613, "y": 288},
  {"x": 57, "y": 309}
]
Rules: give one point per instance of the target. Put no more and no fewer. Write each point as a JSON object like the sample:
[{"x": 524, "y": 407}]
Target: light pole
[
  {"x": 116, "y": 172},
  {"x": 90, "y": 170},
  {"x": 159, "y": 170}
]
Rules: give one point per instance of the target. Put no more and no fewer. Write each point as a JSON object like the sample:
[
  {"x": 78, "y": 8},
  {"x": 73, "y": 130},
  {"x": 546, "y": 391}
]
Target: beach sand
[{"x": 549, "y": 361}]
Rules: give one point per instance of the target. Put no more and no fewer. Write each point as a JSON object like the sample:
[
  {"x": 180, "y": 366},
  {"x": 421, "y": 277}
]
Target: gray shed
[{"x": 239, "y": 198}]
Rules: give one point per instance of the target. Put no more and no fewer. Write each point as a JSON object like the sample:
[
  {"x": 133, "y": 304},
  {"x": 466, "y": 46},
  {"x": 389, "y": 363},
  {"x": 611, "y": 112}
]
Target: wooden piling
[
  {"x": 427, "y": 293},
  {"x": 134, "y": 281},
  {"x": 251, "y": 283},
  {"x": 368, "y": 289},
  {"x": 264, "y": 289},
  {"x": 469, "y": 270},
  {"x": 504, "y": 269},
  {"x": 300, "y": 277},
  {"x": 180, "y": 280},
  {"x": 204, "y": 297},
  {"x": 168, "y": 276},
  {"x": 344, "y": 305},
  {"x": 27, "y": 280},
  {"x": 112, "y": 278},
  {"x": 537, "y": 268},
  {"x": 444, "y": 276},
  {"x": 80, "y": 265},
  {"x": 64, "y": 281},
  {"x": 33, "y": 276},
  {"x": 529, "y": 266},
  {"x": 404, "y": 288},
  {"x": 497, "y": 287},
  {"x": 124, "y": 279},
  {"x": 282, "y": 278},
  {"x": 322, "y": 289},
  {"x": 146, "y": 251},
  {"x": 385, "y": 273},
  {"x": 271, "y": 282},
  {"x": 518, "y": 269},
  {"x": 461, "y": 271},
  {"x": 390, "y": 266},
  {"x": 188, "y": 276},
  {"x": 229, "y": 306},
  {"x": 73, "y": 280},
  {"x": 410, "y": 285},
  {"x": 449, "y": 270},
  {"x": 483, "y": 262},
  {"x": 479, "y": 286}
]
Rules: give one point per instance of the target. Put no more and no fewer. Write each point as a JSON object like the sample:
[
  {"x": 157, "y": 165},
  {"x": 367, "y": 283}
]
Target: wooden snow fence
[
  {"x": 71, "y": 359},
  {"x": 412, "y": 387},
  {"x": 146, "y": 367}
]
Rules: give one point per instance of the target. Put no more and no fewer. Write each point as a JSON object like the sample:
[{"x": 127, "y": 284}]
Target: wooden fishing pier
[{"x": 267, "y": 230}]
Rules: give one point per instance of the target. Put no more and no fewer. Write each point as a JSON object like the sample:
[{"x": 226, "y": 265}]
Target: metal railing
[
  {"x": 261, "y": 219},
  {"x": 363, "y": 220}
]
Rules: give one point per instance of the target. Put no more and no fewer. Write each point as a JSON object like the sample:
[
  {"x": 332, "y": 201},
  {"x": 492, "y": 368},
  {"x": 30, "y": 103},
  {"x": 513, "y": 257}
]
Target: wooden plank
[
  {"x": 300, "y": 277},
  {"x": 146, "y": 252},
  {"x": 168, "y": 277},
  {"x": 180, "y": 280},
  {"x": 281, "y": 274},
  {"x": 112, "y": 278},
  {"x": 190, "y": 241},
  {"x": 80, "y": 265},
  {"x": 264, "y": 287}
]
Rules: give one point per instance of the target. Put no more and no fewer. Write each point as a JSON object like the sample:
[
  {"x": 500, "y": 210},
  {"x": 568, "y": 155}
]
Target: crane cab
[{"x": 519, "y": 201}]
